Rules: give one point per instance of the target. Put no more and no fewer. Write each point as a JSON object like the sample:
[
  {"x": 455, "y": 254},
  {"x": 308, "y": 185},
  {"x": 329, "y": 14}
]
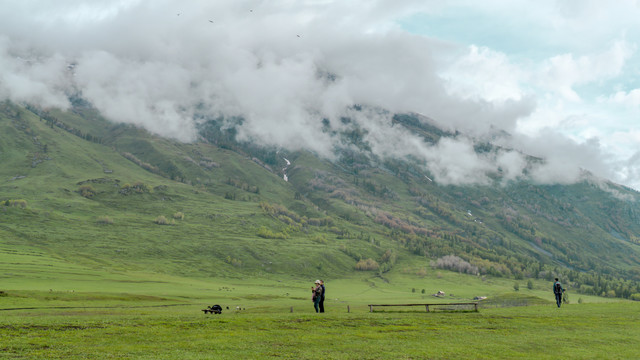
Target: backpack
[{"x": 557, "y": 288}]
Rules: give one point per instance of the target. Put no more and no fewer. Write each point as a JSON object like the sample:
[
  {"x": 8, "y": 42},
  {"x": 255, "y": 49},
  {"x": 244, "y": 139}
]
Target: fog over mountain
[{"x": 284, "y": 66}]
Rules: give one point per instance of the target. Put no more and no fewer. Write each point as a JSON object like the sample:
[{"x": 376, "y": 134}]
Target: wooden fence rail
[{"x": 475, "y": 305}]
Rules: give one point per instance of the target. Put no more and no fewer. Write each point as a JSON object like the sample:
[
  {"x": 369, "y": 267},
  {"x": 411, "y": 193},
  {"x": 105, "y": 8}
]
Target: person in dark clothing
[
  {"x": 321, "y": 304},
  {"x": 558, "y": 290},
  {"x": 316, "y": 292}
]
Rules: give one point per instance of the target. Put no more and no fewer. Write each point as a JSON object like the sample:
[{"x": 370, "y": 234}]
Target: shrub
[
  {"x": 280, "y": 212},
  {"x": 263, "y": 232},
  {"x": 142, "y": 164},
  {"x": 87, "y": 191},
  {"x": 319, "y": 239},
  {"x": 16, "y": 203},
  {"x": 519, "y": 276},
  {"x": 105, "y": 220},
  {"x": 233, "y": 261},
  {"x": 516, "y": 287},
  {"x": 178, "y": 216},
  {"x": 452, "y": 262},
  {"x": 367, "y": 265},
  {"x": 389, "y": 257},
  {"x": 161, "y": 220},
  {"x": 137, "y": 187},
  {"x": 635, "y": 297},
  {"x": 141, "y": 187},
  {"x": 530, "y": 285},
  {"x": 326, "y": 221}
]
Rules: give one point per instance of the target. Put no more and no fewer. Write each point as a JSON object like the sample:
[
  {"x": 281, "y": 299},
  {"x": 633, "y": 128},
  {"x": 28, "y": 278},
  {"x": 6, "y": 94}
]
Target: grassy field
[
  {"x": 155, "y": 317},
  {"x": 151, "y": 331}
]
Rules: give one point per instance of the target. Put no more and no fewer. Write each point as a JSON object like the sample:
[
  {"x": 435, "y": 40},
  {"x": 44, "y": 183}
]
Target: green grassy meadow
[
  {"x": 100, "y": 315},
  {"x": 56, "y": 325}
]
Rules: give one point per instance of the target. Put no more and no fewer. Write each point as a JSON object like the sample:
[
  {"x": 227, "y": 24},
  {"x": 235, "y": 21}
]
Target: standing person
[
  {"x": 558, "y": 290},
  {"x": 321, "y": 304},
  {"x": 316, "y": 292}
]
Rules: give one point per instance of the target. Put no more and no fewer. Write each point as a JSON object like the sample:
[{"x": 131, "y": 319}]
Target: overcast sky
[{"x": 561, "y": 77}]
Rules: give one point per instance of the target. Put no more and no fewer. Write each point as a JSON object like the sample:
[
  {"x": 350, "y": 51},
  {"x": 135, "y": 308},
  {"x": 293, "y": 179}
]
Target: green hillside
[{"x": 93, "y": 197}]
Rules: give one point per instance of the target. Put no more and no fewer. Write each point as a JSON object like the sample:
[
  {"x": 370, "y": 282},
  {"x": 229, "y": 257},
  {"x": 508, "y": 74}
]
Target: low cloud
[
  {"x": 27, "y": 78},
  {"x": 455, "y": 162},
  {"x": 285, "y": 68}
]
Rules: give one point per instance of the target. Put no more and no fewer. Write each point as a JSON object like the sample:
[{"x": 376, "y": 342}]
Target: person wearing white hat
[{"x": 316, "y": 292}]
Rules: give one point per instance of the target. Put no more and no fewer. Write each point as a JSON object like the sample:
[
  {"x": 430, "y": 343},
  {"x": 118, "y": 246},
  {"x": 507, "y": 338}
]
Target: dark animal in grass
[{"x": 214, "y": 309}]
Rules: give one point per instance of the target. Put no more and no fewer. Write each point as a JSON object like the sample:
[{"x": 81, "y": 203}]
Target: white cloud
[
  {"x": 626, "y": 98},
  {"x": 562, "y": 72},
  {"x": 485, "y": 74}
]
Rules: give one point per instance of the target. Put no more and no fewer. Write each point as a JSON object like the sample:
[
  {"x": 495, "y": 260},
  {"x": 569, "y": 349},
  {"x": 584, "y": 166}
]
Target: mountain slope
[{"x": 90, "y": 192}]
